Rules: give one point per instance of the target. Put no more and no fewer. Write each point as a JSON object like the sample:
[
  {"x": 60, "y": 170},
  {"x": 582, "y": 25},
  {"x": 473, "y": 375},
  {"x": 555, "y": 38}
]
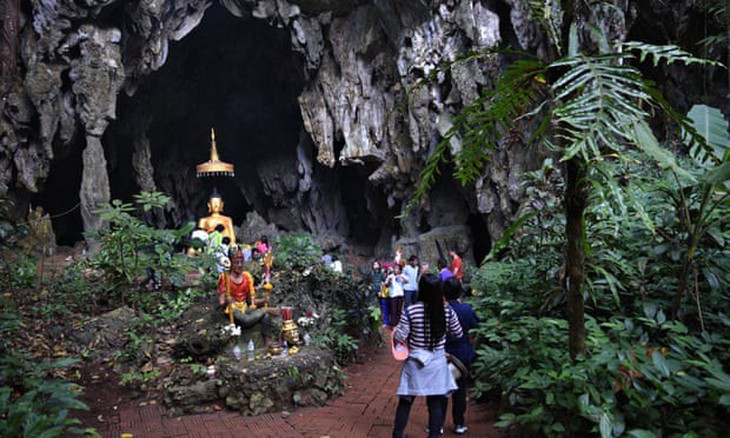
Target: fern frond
[
  {"x": 669, "y": 53},
  {"x": 476, "y": 130},
  {"x": 428, "y": 175},
  {"x": 600, "y": 99},
  {"x": 550, "y": 15},
  {"x": 480, "y": 126}
]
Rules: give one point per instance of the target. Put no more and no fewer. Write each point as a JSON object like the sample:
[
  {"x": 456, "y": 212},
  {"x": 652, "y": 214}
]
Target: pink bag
[{"x": 399, "y": 349}]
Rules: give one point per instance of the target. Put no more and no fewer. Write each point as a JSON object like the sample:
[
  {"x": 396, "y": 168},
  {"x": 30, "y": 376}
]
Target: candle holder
[
  {"x": 287, "y": 313},
  {"x": 267, "y": 288},
  {"x": 289, "y": 329}
]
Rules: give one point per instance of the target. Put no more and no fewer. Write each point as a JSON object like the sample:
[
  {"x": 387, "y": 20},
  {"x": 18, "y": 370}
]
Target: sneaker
[
  {"x": 426, "y": 428},
  {"x": 460, "y": 430}
]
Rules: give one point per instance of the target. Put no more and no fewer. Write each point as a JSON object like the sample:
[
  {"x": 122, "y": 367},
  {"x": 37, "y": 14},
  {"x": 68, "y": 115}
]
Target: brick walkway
[{"x": 366, "y": 410}]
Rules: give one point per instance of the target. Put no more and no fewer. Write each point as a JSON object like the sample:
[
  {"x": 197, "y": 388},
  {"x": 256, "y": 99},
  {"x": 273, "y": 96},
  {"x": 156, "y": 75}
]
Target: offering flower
[{"x": 232, "y": 329}]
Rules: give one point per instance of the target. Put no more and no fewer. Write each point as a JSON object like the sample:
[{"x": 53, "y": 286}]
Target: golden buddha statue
[
  {"x": 209, "y": 223},
  {"x": 216, "y": 168}
]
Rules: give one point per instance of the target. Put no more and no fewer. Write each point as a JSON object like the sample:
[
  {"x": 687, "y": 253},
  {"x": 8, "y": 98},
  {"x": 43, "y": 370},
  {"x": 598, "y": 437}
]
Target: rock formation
[{"x": 323, "y": 106}]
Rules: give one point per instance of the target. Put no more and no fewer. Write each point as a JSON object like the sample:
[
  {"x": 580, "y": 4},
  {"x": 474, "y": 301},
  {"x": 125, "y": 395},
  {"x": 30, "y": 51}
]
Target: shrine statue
[
  {"x": 236, "y": 292},
  {"x": 209, "y": 223},
  {"x": 40, "y": 237}
]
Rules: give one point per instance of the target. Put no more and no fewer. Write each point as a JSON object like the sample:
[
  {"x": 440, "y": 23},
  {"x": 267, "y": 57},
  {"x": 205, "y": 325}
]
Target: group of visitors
[
  {"x": 425, "y": 313},
  {"x": 396, "y": 282},
  {"x": 217, "y": 244},
  {"x": 333, "y": 262}
]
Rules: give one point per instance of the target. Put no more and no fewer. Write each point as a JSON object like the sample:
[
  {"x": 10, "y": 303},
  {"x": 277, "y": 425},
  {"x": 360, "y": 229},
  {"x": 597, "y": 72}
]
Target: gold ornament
[{"x": 214, "y": 166}]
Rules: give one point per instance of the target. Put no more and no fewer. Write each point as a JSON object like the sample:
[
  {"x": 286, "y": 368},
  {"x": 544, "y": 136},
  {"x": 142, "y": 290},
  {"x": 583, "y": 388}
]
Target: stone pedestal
[{"x": 308, "y": 378}]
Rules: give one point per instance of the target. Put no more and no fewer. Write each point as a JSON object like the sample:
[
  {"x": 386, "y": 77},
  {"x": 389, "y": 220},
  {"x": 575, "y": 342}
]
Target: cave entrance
[
  {"x": 241, "y": 77},
  {"x": 237, "y": 75},
  {"x": 60, "y": 196}
]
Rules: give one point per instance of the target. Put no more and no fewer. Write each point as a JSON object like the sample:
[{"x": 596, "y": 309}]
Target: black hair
[
  {"x": 226, "y": 240},
  {"x": 441, "y": 263},
  {"x": 220, "y": 228},
  {"x": 412, "y": 258},
  {"x": 452, "y": 288},
  {"x": 264, "y": 240},
  {"x": 430, "y": 292}
]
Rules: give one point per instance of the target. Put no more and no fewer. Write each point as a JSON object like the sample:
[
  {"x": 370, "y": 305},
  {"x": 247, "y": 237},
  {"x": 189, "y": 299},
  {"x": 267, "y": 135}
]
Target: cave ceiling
[{"x": 314, "y": 101}]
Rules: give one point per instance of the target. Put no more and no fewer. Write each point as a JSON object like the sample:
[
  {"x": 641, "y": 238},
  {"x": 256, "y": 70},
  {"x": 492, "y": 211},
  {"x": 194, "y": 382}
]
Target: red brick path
[{"x": 366, "y": 410}]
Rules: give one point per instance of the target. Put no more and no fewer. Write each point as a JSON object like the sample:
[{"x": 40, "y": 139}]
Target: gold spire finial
[
  {"x": 213, "y": 148},
  {"x": 214, "y": 166}
]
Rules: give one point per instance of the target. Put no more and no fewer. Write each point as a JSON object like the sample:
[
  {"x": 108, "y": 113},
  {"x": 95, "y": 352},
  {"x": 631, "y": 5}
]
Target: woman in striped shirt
[{"x": 426, "y": 373}]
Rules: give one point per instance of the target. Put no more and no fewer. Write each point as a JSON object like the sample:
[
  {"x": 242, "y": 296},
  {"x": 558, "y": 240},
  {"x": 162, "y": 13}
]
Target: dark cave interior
[{"x": 241, "y": 77}]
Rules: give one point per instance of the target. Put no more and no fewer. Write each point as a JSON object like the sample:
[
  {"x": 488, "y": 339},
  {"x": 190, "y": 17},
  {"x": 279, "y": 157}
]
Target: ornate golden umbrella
[{"x": 214, "y": 166}]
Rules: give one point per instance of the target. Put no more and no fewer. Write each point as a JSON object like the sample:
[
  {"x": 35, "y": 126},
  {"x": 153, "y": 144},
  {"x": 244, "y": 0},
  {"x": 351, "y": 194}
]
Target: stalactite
[{"x": 9, "y": 46}]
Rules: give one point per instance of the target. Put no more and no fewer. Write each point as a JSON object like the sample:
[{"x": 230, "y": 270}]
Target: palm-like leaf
[
  {"x": 597, "y": 108},
  {"x": 710, "y": 123}
]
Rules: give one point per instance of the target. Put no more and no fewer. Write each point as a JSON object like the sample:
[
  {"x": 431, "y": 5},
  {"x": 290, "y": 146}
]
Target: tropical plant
[
  {"x": 32, "y": 402},
  {"x": 296, "y": 250},
  {"x": 642, "y": 375},
  {"x": 129, "y": 247},
  {"x": 336, "y": 338},
  {"x": 703, "y": 205},
  {"x": 718, "y": 14},
  {"x": 591, "y": 104}
]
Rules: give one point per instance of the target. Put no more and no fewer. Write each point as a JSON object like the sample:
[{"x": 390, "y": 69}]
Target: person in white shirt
[
  {"x": 410, "y": 289},
  {"x": 336, "y": 265},
  {"x": 395, "y": 281}
]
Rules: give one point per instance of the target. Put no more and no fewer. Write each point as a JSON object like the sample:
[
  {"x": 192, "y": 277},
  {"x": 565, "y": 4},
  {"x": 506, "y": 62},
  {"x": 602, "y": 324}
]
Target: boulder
[
  {"x": 201, "y": 334},
  {"x": 458, "y": 236},
  {"x": 104, "y": 331}
]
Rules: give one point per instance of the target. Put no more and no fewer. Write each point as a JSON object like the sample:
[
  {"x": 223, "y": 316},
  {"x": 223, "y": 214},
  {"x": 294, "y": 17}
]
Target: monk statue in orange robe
[{"x": 236, "y": 292}]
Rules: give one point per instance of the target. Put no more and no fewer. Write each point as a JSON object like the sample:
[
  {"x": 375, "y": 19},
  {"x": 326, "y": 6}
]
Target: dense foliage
[
  {"x": 643, "y": 374},
  {"x": 344, "y": 320},
  {"x": 296, "y": 251},
  {"x": 33, "y": 401}
]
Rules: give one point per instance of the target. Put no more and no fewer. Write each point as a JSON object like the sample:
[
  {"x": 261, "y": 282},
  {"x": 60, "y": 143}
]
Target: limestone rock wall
[{"x": 364, "y": 101}]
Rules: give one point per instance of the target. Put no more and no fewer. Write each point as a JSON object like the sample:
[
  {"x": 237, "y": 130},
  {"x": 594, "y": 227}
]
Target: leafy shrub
[
  {"x": 17, "y": 271},
  {"x": 640, "y": 374},
  {"x": 32, "y": 402},
  {"x": 296, "y": 251},
  {"x": 176, "y": 303},
  {"x": 643, "y": 374},
  {"x": 335, "y": 338},
  {"x": 129, "y": 246}
]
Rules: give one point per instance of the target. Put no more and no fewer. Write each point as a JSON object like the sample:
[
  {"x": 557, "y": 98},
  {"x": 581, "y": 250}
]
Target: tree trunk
[
  {"x": 575, "y": 205},
  {"x": 682, "y": 287}
]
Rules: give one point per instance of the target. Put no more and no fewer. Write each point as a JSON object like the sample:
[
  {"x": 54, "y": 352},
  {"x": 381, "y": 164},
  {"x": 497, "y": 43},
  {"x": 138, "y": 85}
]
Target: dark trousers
[
  {"x": 385, "y": 309},
  {"x": 396, "y": 306},
  {"x": 435, "y": 415},
  {"x": 410, "y": 296},
  {"x": 459, "y": 400}
]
